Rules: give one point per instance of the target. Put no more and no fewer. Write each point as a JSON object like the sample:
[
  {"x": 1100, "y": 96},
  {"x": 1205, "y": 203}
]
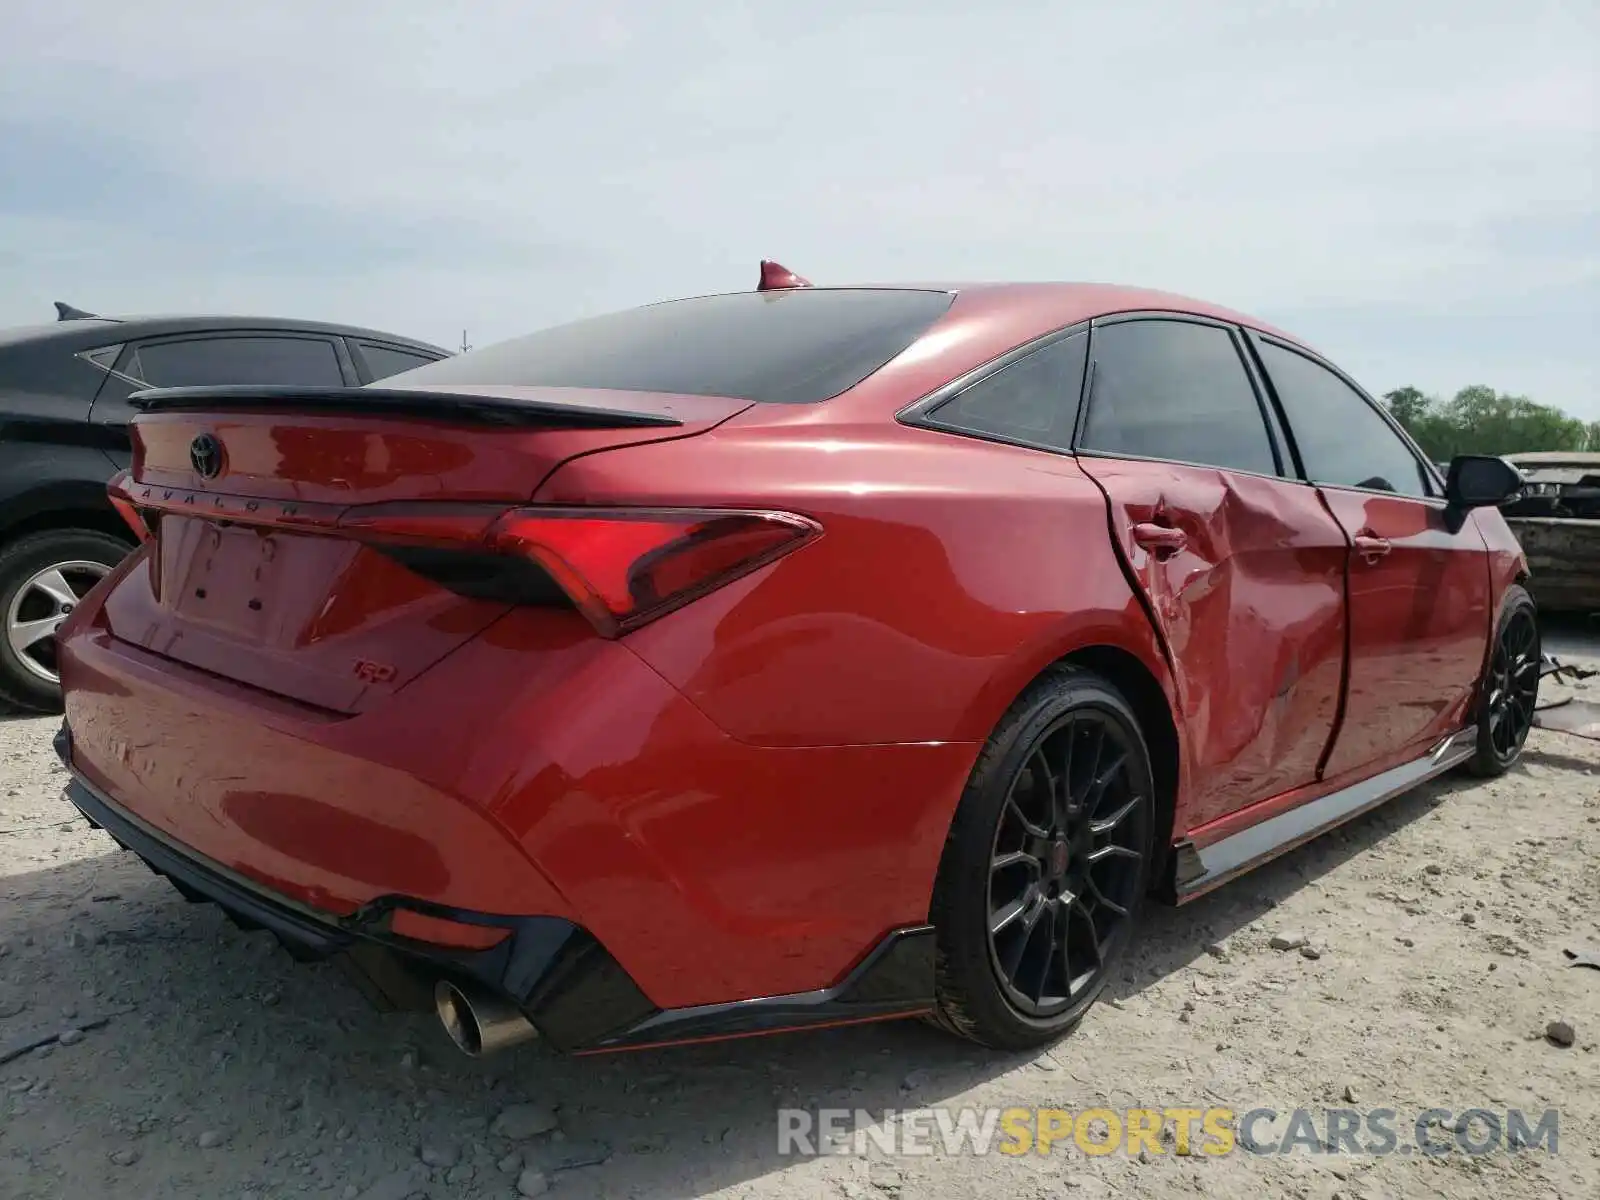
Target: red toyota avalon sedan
[{"x": 782, "y": 659}]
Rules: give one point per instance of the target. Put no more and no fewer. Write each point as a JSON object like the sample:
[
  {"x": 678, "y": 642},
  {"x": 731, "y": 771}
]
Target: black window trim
[
  {"x": 922, "y": 412},
  {"x": 347, "y": 367},
  {"x": 1255, "y": 338},
  {"x": 1280, "y": 434},
  {"x": 1270, "y": 422}
]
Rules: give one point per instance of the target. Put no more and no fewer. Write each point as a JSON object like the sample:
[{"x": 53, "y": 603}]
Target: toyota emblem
[{"x": 205, "y": 455}]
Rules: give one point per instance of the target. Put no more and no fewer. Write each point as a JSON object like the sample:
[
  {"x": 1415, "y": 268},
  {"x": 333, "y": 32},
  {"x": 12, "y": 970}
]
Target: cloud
[{"x": 1356, "y": 171}]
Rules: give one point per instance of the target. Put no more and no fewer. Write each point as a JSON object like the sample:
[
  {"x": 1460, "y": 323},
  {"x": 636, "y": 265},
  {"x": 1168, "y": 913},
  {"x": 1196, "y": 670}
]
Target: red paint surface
[
  {"x": 1253, "y": 610},
  {"x": 1507, "y": 563},
  {"x": 1419, "y": 624},
  {"x": 743, "y": 796}
]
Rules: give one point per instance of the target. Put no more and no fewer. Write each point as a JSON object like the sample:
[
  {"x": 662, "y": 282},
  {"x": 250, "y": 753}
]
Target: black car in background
[{"x": 64, "y": 413}]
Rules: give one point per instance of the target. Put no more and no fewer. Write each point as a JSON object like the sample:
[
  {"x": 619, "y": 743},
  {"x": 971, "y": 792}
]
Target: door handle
[
  {"x": 1370, "y": 546},
  {"x": 1161, "y": 540}
]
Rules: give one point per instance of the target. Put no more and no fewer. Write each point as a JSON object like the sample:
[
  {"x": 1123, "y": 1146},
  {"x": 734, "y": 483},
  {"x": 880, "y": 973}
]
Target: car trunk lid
[{"x": 254, "y": 575}]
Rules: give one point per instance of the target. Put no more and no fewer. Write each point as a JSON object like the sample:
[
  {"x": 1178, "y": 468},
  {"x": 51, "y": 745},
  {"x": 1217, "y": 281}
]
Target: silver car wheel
[{"x": 38, "y": 608}]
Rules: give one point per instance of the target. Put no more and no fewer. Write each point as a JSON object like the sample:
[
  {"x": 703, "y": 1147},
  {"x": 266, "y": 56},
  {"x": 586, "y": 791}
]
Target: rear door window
[
  {"x": 1177, "y": 391},
  {"x": 781, "y": 347},
  {"x": 200, "y": 362}
]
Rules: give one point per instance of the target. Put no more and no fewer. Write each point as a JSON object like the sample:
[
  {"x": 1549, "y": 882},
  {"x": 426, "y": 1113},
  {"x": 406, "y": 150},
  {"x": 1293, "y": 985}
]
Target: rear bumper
[
  {"x": 569, "y": 986},
  {"x": 537, "y": 770}
]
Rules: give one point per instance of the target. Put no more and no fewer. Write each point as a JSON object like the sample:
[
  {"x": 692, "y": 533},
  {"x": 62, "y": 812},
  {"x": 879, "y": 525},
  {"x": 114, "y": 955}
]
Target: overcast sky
[{"x": 1410, "y": 185}]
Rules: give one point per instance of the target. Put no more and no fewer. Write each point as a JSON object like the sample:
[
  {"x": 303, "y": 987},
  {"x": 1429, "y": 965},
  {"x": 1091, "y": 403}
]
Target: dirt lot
[{"x": 197, "y": 1061}]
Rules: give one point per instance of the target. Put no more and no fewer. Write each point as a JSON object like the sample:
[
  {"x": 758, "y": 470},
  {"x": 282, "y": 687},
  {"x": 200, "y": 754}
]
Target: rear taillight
[
  {"x": 623, "y": 567},
  {"x": 620, "y": 567},
  {"x": 117, "y": 493}
]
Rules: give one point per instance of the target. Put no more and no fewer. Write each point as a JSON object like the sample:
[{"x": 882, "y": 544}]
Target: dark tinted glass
[
  {"x": 1033, "y": 400},
  {"x": 1178, "y": 391},
  {"x": 1341, "y": 438},
  {"x": 280, "y": 360},
  {"x": 386, "y": 361},
  {"x": 790, "y": 347}
]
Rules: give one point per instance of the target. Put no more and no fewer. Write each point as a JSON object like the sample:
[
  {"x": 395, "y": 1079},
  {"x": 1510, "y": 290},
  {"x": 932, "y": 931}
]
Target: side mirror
[{"x": 1480, "y": 481}]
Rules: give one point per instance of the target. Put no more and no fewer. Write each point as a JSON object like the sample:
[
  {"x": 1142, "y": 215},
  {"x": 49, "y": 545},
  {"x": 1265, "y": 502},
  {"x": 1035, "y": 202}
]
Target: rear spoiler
[{"x": 396, "y": 402}]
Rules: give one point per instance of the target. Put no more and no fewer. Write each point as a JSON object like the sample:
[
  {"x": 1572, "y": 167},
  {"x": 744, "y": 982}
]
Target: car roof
[
  {"x": 99, "y": 331},
  {"x": 1011, "y": 313},
  {"x": 59, "y": 331},
  {"x": 1067, "y": 302},
  {"x": 986, "y": 320},
  {"x": 1069, "y": 299}
]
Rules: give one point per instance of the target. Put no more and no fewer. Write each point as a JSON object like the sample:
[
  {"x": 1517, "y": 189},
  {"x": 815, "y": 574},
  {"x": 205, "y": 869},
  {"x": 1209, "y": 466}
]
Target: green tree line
[{"x": 1480, "y": 420}]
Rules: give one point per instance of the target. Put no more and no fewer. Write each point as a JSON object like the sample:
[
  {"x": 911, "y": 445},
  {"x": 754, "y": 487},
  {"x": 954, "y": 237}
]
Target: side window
[
  {"x": 384, "y": 361},
  {"x": 1178, "y": 391},
  {"x": 1034, "y": 399},
  {"x": 221, "y": 360},
  {"x": 1342, "y": 439}
]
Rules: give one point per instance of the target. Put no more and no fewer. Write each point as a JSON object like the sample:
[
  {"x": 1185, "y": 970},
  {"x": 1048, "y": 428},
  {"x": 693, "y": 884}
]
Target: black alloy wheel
[
  {"x": 1513, "y": 683},
  {"x": 1046, "y": 864},
  {"x": 1066, "y": 866},
  {"x": 1509, "y": 692}
]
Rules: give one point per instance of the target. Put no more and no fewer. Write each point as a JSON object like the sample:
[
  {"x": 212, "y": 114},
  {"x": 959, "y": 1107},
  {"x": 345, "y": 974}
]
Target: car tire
[
  {"x": 1509, "y": 690},
  {"x": 29, "y": 597},
  {"x": 1032, "y": 906}
]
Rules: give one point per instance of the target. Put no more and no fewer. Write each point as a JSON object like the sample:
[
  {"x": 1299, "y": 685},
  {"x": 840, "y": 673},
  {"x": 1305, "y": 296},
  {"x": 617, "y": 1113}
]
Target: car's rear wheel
[
  {"x": 1046, "y": 864},
  {"x": 43, "y": 577},
  {"x": 1510, "y": 689}
]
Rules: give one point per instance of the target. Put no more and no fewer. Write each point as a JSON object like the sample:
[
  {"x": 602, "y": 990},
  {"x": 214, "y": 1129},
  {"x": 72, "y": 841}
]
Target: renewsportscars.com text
[{"x": 1209, "y": 1131}]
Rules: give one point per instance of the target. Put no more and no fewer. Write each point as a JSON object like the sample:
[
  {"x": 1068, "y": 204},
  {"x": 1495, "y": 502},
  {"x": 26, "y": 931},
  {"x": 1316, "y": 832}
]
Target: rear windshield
[{"x": 785, "y": 347}]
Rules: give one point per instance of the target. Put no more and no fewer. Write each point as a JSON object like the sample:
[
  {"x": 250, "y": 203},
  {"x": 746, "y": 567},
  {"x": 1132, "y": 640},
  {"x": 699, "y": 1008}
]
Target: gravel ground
[{"x": 191, "y": 1060}]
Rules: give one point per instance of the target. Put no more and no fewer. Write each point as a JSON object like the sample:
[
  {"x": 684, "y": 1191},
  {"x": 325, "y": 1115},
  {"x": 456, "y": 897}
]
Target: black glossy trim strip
[
  {"x": 1199, "y": 869},
  {"x": 405, "y": 402},
  {"x": 1258, "y": 367},
  {"x": 895, "y": 980},
  {"x": 1283, "y": 447}
]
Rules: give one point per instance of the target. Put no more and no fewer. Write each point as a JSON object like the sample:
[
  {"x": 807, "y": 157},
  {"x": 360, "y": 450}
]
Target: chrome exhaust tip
[{"x": 478, "y": 1021}]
